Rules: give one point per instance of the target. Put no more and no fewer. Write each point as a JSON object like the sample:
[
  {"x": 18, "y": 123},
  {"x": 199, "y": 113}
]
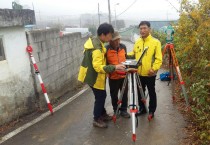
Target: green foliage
[
  {"x": 160, "y": 36},
  {"x": 192, "y": 43}
]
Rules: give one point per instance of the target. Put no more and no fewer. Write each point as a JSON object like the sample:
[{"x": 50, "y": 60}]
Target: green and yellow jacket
[{"x": 93, "y": 68}]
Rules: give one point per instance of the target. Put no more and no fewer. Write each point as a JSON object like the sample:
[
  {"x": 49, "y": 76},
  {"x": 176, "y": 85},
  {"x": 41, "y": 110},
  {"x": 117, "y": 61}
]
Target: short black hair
[
  {"x": 105, "y": 29},
  {"x": 145, "y": 23}
]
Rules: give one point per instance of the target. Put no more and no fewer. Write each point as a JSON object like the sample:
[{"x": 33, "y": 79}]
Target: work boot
[
  {"x": 99, "y": 123},
  {"x": 125, "y": 114},
  {"x": 106, "y": 117},
  {"x": 141, "y": 112}
]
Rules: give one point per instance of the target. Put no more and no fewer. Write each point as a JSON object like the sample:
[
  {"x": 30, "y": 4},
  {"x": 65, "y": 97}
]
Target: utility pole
[
  {"x": 99, "y": 15},
  {"x": 115, "y": 21},
  {"x": 115, "y": 15},
  {"x": 109, "y": 12}
]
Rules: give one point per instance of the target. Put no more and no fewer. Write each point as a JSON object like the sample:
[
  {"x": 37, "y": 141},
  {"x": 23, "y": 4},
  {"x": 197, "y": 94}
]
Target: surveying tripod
[
  {"x": 133, "y": 80},
  {"x": 173, "y": 64}
]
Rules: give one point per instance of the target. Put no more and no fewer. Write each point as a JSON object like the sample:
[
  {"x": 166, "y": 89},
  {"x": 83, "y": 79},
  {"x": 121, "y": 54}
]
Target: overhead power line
[
  {"x": 172, "y": 5},
  {"x": 127, "y": 8}
]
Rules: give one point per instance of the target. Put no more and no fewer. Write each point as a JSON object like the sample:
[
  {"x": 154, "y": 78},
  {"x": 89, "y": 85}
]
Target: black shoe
[
  {"x": 99, "y": 123},
  {"x": 141, "y": 112},
  {"x": 125, "y": 114},
  {"x": 106, "y": 117}
]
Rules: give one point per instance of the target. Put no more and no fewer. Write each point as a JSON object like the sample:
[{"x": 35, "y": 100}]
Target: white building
[{"x": 16, "y": 83}]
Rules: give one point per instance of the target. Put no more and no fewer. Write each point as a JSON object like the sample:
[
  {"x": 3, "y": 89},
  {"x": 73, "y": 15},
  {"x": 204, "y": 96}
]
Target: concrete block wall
[{"x": 58, "y": 59}]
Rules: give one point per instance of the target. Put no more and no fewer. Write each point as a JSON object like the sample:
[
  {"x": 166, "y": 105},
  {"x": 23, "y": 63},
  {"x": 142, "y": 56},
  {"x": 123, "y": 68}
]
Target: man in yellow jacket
[
  {"x": 150, "y": 65},
  {"x": 93, "y": 71}
]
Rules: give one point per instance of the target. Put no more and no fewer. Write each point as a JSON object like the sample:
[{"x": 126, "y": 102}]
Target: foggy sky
[{"x": 142, "y": 9}]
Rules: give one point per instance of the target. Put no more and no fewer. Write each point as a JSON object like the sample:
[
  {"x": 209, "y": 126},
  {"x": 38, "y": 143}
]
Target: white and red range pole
[{"x": 30, "y": 50}]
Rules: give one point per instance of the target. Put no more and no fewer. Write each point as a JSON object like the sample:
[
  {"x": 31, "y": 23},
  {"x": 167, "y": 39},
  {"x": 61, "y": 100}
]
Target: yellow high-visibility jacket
[
  {"x": 93, "y": 68},
  {"x": 152, "y": 58}
]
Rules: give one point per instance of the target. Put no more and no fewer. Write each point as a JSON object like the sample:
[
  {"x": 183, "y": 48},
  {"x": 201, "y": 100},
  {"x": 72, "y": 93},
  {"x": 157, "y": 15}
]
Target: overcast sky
[{"x": 142, "y": 9}]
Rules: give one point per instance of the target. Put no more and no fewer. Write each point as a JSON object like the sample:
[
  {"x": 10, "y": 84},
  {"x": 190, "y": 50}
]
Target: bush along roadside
[{"x": 192, "y": 43}]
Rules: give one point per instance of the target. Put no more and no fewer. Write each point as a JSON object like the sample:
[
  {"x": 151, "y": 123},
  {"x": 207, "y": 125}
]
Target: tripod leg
[
  {"x": 133, "y": 106},
  {"x": 164, "y": 50},
  {"x": 171, "y": 74},
  {"x": 144, "y": 98},
  {"x": 114, "y": 117},
  {"x": 173, "y": 83}
]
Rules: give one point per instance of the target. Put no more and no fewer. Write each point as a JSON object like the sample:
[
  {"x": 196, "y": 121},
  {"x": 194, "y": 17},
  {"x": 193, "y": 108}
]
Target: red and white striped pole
[{"x": 30, "y": 50}]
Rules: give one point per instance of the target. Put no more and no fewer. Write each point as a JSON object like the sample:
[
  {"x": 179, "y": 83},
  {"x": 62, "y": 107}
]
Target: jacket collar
[
  {"x": 99, "y": 39},
  {"x": 148, "y": 38},
  {"x": 102, "y": 45},
  {"x": 111, "y": 48}
]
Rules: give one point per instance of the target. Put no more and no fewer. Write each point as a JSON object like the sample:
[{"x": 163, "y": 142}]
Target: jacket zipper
[
  {"x": 118, "y": 57},
  {"x": 142, "y": 51}
]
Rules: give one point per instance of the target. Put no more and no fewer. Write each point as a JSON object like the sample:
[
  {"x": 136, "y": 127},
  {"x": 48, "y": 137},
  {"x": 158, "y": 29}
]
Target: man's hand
[
  {"x": 151, "y": 72},
  {"x": 120, "y": 67}
]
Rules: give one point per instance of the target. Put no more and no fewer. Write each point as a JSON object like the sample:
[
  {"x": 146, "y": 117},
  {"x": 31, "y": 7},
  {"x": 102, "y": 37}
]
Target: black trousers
[
  {"x": 150, "y": 83},
  {"x": 115, "y": 85},
  {"x": 100, "y": 97}
]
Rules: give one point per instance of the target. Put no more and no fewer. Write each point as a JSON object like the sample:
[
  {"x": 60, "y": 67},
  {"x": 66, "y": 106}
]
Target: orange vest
[{"x": 115, "y": 57}]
